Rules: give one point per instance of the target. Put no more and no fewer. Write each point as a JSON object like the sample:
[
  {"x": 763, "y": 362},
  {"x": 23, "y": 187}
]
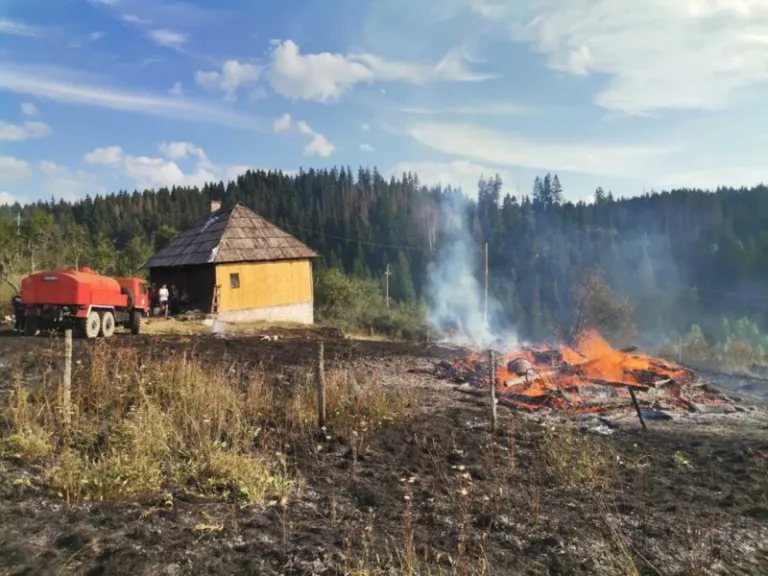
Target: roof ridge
[{"x": 214, "y": 238}]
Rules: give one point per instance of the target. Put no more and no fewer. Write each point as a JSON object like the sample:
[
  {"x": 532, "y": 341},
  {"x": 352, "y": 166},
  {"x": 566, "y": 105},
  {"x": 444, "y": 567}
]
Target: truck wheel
[
  {"x": 107, "y": 324},
  {"x": 92, "y": 325},
  {"x": 135, "y": 322},
  {"x": 30, "y": 327}
]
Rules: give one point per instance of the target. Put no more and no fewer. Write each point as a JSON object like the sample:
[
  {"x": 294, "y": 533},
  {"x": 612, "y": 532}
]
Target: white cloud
[
  {"x": 13, "y": 169},
  {"x": 673, "y": 54},
  {"x": 181, "y": 150},
  {"x": 106, "y": 2},
  {"x": 233, "y": 75},
  {"x": 16, "y": 28},
  {"x": 104, "y": 156},
  {"x": 234, "y": 171},
  {"x": 365, "y": 127},
  {"x": 283, "y": 123},
  {"x": 9, "y": 199},
  {"x": 157, "y": 172},
  {"x": 25, "y": 131},
  {"x": 457, "y": 174},
  {"x": 326, "y": 76},
  {"x": 366, "y": 147},
  {"x": 66, "y": 184},
  {"x": 712, "y": 178},
  {"x": 481, "y": 109},
  {"x": 167, "y": 37},
  {"x": 488, "y": 10},
  {"x": 176, "y": 89},
  {"x": 133, "y": 19},
  {"x": 317, "y": 146},
  {"x": 57, "y": 85},
  {"x": 28, "y": 109},
  {"x": 89, "y": 39},
  {"x": 152, "y": 172},
  {"x": 500, "y": 149},
  {"x": 319, "y": 77},
  {"x": 258, "y": 93}
]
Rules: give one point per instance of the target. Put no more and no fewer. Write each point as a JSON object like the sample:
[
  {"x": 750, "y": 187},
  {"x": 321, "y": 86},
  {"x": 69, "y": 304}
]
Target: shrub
[{"x": 358, "y": 305}]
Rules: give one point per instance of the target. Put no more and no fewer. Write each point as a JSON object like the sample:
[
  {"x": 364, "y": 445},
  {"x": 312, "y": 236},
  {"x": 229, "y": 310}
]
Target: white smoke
[
  {"x": 217, "y": 327},
  {"x": 456, "y": 284}
]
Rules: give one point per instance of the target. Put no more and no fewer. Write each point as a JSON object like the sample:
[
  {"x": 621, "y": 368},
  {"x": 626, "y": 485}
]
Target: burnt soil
[{"x": 684, "y": 498}]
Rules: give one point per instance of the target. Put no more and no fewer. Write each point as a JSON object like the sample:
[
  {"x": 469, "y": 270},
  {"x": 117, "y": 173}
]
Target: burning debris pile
[{"x": 590, "y": 377}]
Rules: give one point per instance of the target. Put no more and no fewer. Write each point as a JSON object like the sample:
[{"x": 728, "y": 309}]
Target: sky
[{"x": 98, "y": 96}]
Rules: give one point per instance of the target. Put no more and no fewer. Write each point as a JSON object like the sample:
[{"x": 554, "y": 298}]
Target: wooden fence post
[
  {"x": 67, "y": 392},
  {"x": 637, "y": 408},
  {"x": 492, "y": 388},
  {"x": 320, "y": 382}
]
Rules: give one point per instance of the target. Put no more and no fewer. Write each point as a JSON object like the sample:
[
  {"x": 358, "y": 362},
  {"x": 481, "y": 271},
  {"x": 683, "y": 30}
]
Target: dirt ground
[{"x": 688, "y": 497}]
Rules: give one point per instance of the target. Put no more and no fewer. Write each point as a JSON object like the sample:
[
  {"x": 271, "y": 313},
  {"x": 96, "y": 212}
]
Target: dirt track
[{"x": 690, "y": 499}]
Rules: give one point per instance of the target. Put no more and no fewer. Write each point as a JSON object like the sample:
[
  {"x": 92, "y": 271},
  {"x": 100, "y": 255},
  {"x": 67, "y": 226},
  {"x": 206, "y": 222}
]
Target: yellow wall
[{"x": 265, "y": 284}]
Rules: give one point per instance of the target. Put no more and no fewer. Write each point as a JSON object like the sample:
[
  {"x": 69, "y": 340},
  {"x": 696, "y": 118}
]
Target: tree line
[{"x": 682, "y": 257}]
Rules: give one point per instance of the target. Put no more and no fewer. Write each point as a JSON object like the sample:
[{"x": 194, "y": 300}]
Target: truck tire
[
  {"x": 30, "y": 326},
  {"x": 107, "y": 324},
  {"x": 92, "y": 325},
  {"x": 135, "y": 325}
]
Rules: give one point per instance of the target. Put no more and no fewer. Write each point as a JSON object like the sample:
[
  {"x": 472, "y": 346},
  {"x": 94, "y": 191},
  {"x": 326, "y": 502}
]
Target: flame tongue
[{"x": 591, "y": 376}]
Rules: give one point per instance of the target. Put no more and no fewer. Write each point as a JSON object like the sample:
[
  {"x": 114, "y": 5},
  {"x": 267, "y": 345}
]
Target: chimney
[{"x": 215, "y": 205}]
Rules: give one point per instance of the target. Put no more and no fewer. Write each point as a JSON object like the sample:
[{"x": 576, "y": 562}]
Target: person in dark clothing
[{"x": 19, "y": 319}]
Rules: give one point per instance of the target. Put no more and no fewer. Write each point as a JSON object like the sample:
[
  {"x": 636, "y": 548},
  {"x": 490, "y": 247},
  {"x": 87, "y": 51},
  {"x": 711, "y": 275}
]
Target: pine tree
[
  {"x": 557, "y": 191},
  {"x": 599, "y": 195}
]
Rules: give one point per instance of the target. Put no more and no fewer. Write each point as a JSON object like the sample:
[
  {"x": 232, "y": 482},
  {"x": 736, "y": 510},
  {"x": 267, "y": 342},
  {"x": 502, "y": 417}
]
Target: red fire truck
[{"x": 91, "y": 304}]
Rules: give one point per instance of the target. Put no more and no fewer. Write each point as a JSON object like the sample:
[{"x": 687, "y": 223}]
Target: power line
[{"x": 411, "y": 248}]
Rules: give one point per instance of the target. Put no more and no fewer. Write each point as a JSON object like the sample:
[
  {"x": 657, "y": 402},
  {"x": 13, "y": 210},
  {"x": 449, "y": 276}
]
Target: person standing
[
  {"x": 19, "y": 317},
  {"x": 163, "y": 297}
]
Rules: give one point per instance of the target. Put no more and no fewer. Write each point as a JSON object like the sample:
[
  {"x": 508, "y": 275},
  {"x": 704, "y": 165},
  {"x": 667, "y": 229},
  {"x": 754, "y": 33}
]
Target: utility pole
[
  {"x": 386, "y": 275},
  {"x": 485, "y": 257}
]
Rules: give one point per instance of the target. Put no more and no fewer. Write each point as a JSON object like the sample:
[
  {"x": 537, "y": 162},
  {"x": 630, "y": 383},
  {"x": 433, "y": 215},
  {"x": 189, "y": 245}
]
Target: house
[{"x": 237, "y": 265}]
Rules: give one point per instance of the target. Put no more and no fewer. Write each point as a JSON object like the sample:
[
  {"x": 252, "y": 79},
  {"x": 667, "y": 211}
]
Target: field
[{"x": 197, "y": 454}]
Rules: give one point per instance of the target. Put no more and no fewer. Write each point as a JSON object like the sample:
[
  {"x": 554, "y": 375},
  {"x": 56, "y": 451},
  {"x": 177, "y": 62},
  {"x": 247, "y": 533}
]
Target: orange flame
[{"x": 587, "y": 377}]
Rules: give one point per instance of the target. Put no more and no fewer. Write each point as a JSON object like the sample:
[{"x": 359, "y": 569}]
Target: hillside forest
[{"x": 686, "y": 262}]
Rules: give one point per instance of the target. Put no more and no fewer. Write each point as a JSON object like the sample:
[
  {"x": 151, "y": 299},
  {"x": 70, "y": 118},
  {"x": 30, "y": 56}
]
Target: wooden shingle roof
[{"x": 228, "y": 235}]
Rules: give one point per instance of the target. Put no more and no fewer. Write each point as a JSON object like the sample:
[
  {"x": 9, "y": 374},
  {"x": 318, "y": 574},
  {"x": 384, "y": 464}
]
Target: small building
[{"x": 235, "y": 264}]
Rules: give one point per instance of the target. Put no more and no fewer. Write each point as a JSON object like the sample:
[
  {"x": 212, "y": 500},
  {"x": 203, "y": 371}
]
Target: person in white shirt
[{"x": 162, "y": 295}]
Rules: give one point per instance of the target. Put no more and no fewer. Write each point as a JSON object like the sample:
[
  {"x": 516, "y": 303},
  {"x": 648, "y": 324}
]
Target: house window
[{"x": 234, "y": 280}]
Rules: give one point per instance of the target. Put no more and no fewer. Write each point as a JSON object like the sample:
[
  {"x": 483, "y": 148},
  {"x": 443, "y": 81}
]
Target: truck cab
[{"x": 137, "y": 288}]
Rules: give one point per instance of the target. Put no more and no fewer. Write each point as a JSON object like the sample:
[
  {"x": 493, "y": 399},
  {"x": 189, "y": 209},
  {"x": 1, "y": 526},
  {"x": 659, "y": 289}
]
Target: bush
[{"x": 358, "y": 305}]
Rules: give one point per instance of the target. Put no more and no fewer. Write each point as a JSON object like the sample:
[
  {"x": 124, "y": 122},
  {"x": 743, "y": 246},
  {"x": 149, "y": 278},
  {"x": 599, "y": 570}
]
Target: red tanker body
[{"x": 88, "y": 302}]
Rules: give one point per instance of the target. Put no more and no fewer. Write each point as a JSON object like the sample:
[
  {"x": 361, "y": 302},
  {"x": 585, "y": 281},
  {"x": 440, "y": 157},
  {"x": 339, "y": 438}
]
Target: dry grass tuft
[
  {"x": 139, "y": 428},
  {"x": 576, "y": 459}
]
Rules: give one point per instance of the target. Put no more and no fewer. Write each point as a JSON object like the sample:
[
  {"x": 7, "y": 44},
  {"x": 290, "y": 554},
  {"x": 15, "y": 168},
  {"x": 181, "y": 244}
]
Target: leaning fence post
[
  {"x": 637, "y": 408},
  {"x": 492, "y": 388},
  {"x": 320, "y": 382},
  {"x": 67, "y": 392}
]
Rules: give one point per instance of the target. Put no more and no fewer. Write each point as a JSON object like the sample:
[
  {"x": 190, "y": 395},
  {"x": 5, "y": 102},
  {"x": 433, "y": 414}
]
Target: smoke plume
[{"x": 456, "y": 286}]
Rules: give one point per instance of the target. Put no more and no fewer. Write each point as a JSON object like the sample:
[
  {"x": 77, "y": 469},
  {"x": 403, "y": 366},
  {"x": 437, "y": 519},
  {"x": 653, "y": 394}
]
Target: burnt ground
[{"x": 688, "y": 497}]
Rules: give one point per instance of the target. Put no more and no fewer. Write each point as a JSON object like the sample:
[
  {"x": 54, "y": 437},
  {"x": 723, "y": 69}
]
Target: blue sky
[{"x": 102, "y": 95}]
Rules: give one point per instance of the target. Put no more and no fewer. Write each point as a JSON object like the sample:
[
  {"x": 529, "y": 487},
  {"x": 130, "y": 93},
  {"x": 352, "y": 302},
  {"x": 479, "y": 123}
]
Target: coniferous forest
[{"x": 685, "y": 257}]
